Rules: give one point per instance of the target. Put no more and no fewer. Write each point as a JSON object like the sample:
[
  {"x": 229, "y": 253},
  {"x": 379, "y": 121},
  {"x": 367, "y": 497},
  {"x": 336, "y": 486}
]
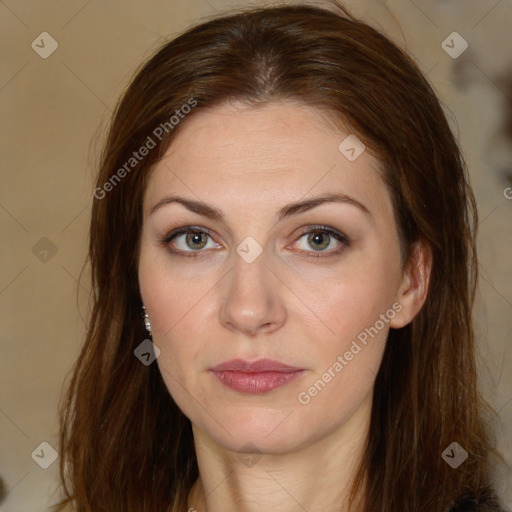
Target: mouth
[{"x": 256, "y": 377}]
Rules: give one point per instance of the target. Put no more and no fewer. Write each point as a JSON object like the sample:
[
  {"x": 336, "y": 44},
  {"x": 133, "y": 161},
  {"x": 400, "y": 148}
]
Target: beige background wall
[{"x": 52, "y": 110}]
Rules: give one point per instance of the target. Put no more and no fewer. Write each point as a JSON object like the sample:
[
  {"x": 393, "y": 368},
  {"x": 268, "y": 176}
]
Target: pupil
[
  {"x": 316, "y": 241},
  {"x": 195, "y": 238}
]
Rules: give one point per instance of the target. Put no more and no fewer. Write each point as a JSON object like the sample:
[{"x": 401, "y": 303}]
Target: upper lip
[{"x": 261, "y": 365}]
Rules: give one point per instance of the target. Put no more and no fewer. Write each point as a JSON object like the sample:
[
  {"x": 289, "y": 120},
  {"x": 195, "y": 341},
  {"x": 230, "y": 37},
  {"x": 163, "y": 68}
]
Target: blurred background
[{"x": 66, "y": 62}]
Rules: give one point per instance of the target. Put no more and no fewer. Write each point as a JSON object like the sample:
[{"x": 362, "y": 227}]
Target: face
[{"x": 248, "y": 277}]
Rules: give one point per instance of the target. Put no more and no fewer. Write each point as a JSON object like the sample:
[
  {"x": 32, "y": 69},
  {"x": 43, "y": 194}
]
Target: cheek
[
  {"x": 355, "y": 310},
  {"x": 175, "y": 302},
  {"x": 352, "y": 299},
  {"x": 170, "y": 295},
  {"x": 176, "y": 314},
  {"x": 346, "y": 362}
]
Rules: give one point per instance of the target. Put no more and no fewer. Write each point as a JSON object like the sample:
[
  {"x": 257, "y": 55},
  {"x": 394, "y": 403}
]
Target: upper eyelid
[
  {"x": 341, "y": 237},
  {"x": 307, "y": 229}
]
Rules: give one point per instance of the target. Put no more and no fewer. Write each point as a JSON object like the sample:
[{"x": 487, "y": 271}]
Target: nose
[{"x": 253, "y": 302}]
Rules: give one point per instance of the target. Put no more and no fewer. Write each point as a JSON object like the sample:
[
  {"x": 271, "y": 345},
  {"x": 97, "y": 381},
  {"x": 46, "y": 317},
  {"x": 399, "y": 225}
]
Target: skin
[{"x": 285, "y": 305}]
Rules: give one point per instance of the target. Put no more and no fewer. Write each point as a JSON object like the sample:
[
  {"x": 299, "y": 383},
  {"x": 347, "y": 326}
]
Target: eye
[
  {"x": 321, "y": 238},
  {"x": 188, "y": 239}
]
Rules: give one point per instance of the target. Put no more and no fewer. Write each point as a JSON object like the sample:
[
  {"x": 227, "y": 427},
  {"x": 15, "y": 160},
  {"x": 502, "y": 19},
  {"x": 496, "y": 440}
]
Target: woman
[{"x": 281, "y": 197}]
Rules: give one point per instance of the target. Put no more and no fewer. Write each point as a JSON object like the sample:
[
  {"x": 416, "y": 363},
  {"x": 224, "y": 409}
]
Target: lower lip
[{"x": 256, "y": 383}]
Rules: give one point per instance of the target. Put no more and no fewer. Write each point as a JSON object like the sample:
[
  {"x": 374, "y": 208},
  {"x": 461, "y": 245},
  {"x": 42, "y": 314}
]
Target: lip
[
  {"x": 255, "y": 377},
  {"x": 261, "y": 365}
]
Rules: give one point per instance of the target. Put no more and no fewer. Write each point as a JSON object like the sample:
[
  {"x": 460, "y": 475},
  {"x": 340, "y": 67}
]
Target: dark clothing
[{"x": 484, "y": 503}]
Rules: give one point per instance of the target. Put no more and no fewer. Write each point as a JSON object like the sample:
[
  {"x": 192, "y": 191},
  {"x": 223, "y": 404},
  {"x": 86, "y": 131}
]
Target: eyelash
[{"x": 340, "y": 237}]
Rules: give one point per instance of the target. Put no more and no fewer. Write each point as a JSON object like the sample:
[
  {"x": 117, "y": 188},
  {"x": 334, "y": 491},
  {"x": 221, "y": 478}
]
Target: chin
[{"x": 271, "y": 432}]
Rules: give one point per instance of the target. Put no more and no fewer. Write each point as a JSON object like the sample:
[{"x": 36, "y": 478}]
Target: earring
[{"x": 145, "y": 317}]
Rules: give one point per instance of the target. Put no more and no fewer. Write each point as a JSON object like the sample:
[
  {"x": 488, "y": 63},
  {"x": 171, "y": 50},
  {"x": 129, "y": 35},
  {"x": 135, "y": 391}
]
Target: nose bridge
[
  {"x": 249, "y": 277},
  {"x": 252, "y": 300}
]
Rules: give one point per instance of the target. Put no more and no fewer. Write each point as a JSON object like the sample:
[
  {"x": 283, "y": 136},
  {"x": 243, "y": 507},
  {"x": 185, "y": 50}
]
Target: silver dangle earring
[{"x": 147, "y": 323}]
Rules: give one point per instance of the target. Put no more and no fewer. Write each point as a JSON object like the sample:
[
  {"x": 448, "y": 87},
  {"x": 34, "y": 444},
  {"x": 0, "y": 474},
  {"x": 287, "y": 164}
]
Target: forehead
[{"x": 238, "y": 154}]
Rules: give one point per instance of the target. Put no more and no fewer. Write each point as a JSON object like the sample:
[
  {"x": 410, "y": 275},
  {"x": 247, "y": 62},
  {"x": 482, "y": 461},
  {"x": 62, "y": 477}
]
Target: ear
[{"x": 414, "y": 286}]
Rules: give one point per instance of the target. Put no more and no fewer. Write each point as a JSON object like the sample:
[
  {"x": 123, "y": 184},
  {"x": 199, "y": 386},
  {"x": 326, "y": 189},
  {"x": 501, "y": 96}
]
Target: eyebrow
[{"x": 289, "y": 210}]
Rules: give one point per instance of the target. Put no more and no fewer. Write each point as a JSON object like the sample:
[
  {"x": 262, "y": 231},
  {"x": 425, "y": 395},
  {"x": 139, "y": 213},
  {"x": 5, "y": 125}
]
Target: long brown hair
[{"x": 125, "y": 445}]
